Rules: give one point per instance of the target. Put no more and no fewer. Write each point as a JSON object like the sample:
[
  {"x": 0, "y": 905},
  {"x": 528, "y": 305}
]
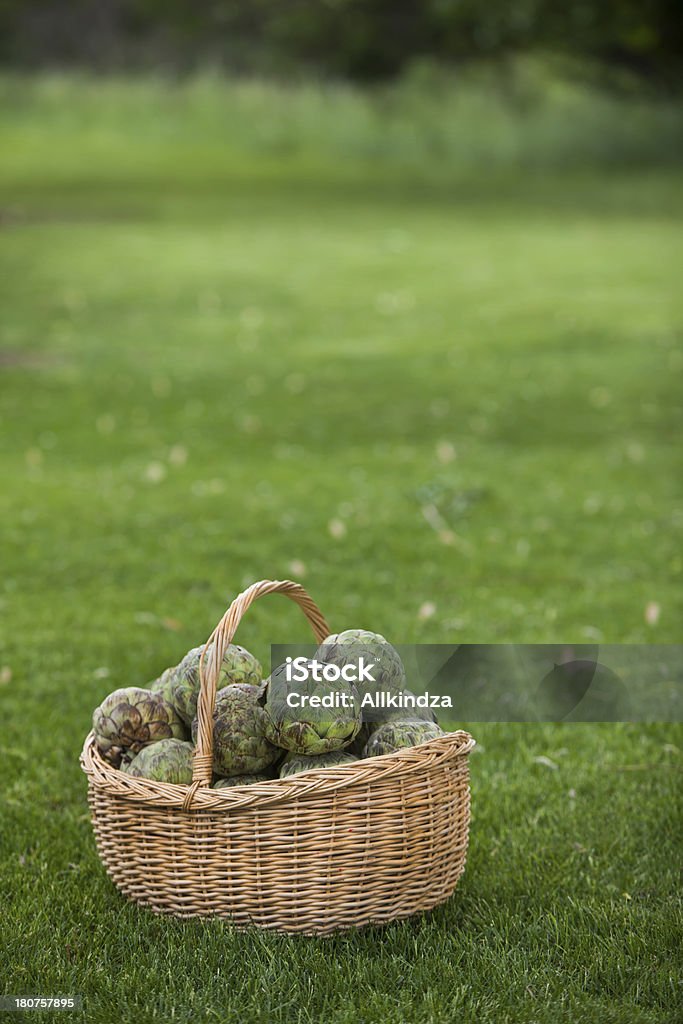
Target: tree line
[{"x": 355, "y": 39}]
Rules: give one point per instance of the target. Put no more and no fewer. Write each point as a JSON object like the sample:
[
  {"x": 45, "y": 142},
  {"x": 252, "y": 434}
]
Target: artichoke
[
  {"x": 131, "y": 718},
  {"x": 165, "y": 761},
  {"x": 164, "y": 684},
  {"x": 295, "y": 763},
  {"x": 240, "y": 780},
  {"x": 240, "y": 746},
  {"x": 310, "y": 729},
  {"x": 393, "y": 736},
  {"x": 239, "y": 666},
  {"x": 381, "y": 715},
  {"x": 348, "y": 647}
]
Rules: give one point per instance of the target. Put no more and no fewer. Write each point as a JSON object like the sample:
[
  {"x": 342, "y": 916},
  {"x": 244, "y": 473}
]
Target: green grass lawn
[{"x": 253, "y": 334}]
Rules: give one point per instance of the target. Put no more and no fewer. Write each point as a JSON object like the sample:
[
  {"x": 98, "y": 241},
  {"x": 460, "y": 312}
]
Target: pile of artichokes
[{"x": 150, "y": 733}]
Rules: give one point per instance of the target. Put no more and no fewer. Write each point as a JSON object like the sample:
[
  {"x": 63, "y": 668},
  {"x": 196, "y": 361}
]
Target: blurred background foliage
[{"x": 357, "y": 39}]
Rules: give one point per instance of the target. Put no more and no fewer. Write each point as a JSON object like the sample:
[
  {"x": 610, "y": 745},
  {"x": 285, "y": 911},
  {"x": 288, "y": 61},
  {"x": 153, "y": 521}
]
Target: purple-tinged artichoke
[
  {"x": 130, "y": 719},
  {"x": 240, "y": 745},
  {"x": 295, "y": 763},
  {"x": 393, "y": 736},
  {"x": 165, "y": 761},
  {"x": 240, "y": 780}
]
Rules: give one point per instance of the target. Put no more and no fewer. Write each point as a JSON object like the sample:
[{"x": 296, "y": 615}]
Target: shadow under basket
[{"x": 320, "y": 851}]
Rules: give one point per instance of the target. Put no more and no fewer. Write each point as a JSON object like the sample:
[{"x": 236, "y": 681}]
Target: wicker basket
[{"x": 322, "y": 850}]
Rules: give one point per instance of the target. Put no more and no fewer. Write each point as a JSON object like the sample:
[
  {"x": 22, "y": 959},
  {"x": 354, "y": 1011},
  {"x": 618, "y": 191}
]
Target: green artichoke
[
  {"x": 310, "y": 729},
  {"x": 393, "y": 736},
  {"x": 381, "y": 715},
  {"x": 131, "y": 718},
  {"x": 348, "y": 647},
  {"x": 240, "y": 780},
  {"x": 295, "y": 763},
  {"x": 239, "y": 666},
  {"x": 240, "y": 745},
  {"x": 164, "y": 684},
  {"x": 165, "y": 761}
]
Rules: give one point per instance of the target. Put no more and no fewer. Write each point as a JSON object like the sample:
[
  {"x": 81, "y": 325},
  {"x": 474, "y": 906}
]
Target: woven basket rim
[{"x": 196, "y": 797}]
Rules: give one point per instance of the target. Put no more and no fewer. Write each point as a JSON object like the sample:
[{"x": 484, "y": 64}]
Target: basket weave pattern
[{"x": 327, "y": 849}]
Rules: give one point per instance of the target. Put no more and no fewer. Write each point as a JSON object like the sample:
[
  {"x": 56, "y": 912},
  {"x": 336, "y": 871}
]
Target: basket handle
[{"x": 220, "y": 638}]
